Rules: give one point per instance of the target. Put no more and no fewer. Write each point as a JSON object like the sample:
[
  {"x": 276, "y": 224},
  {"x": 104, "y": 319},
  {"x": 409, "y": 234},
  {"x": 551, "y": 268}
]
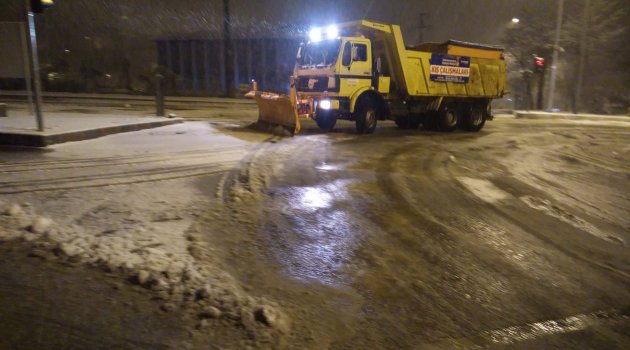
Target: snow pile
[{"x": 163, "y": 265}]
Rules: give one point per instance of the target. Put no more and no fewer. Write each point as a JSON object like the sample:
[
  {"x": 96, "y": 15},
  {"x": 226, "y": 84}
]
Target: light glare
[
  {"x": 332, "y": 32},
  {"x": 515, "y": 20},
  {"x": 315, "y": 34},
  {"x": 324, "y": 104}
]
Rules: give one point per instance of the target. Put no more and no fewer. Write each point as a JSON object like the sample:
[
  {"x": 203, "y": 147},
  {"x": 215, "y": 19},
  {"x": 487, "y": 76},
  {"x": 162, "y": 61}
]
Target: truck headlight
[{"x": 324, "y": 104}]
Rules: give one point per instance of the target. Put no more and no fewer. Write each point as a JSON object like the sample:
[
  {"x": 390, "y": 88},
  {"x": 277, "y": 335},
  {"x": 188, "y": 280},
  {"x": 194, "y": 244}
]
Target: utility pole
[
  {"x": 26, "y": 55},
  {"x": 422, "y": 26},
  {"x": 541, "y": 88},
  {"x": 582, "y": 61},
  {"x": 554, "y": 60},
  {"x": 227, "y": 42},
  {"x": 34, "y": 64}
]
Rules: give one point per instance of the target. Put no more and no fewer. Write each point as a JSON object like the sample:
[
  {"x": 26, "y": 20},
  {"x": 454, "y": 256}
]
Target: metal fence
[
  {"x": 197, "y": 67},
  {"x": 12, "y": 50}
]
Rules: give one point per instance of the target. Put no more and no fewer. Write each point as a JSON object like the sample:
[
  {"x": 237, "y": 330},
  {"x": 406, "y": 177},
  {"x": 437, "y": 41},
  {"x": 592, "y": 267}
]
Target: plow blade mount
[{"x": 276, "y": 109}]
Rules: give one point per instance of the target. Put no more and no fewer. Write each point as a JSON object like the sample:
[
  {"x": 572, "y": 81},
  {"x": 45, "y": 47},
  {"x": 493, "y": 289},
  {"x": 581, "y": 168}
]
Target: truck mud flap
[{"x": 276, "y": 110}]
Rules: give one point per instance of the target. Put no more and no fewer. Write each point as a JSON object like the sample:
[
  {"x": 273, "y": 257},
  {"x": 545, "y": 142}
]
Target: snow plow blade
[{"x": 276, "y": 109}]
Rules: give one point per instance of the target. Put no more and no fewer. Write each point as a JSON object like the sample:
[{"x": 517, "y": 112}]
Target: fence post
[{"x": 159, "y": 95}]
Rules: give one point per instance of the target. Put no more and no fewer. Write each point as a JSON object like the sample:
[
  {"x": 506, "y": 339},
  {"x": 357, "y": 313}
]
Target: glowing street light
[{"x": 515, "y": 20}]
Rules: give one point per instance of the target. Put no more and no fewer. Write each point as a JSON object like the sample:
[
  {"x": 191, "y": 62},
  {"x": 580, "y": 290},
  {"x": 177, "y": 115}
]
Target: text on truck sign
[{"x": 447, "y": 68}]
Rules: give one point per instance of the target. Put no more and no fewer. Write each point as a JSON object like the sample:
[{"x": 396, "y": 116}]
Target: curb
[
  {"x": 569, "y": 116},
  {"x": 11, "y": 95},
  {"x": 43, "y": 140}
]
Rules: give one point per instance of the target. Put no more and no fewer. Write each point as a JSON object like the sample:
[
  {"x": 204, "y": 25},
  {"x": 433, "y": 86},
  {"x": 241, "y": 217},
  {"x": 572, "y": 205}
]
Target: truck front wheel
[
  {"x": 365, "y": 116},
  {"x": 326, "y": 120}
]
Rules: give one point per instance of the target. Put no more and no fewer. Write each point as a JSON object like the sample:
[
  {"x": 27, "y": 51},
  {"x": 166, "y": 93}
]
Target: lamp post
[
  {"x": 583, "y": 38},
  {"x": 228, "y": 53},
  {"x": 554, "y": 59},
  {"x": 30, "y": 9}
]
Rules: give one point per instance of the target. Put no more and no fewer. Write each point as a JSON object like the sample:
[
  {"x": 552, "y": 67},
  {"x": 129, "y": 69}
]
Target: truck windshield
[{"x": 321, "y": 53}]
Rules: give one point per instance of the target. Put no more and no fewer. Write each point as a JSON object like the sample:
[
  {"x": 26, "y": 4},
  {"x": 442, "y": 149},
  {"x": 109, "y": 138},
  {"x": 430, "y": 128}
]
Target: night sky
[{"x": 470, "y": 20}]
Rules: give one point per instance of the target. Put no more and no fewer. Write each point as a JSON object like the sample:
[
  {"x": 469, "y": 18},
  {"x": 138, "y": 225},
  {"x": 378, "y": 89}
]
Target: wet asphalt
[{"x": 515, "y": 237}]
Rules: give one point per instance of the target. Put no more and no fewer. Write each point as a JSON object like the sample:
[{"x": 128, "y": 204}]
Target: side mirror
[{"x": 298, "y": 57}]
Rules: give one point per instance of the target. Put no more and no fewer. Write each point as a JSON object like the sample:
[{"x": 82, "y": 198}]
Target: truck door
[
  {"x": 356, "y": 70},
  {"x": 356, "y": 58}
]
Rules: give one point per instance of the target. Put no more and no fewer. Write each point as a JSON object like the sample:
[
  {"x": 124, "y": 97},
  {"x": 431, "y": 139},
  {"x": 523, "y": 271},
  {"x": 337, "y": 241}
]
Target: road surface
[{"x": 513, "y": 237}]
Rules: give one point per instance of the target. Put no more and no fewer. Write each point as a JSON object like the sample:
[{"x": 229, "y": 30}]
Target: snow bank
[{"x": 155, "y": 261}]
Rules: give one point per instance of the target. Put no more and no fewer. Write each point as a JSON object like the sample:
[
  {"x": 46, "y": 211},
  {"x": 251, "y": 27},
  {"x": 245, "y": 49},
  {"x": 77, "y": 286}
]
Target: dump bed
[
  {"x": 453, "y": 69},
  {"x": 461, "y": 48},
  {"x": 449, "y": 69}
]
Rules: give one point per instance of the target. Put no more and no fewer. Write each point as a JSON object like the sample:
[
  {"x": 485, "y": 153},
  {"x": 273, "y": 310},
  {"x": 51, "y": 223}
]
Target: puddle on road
[
  {"x": 312, "y": 198},
  {"x": 329, "y": 167},
  {"x": 315, "y": 237}
]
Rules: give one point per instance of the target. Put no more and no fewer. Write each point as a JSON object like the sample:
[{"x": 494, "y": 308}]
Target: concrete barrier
[{"x": 38, "y": 139}]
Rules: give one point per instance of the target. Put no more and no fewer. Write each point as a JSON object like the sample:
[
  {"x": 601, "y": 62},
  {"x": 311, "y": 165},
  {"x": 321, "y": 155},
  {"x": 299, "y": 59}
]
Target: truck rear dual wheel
[
  {"x": 447, "y": 119},
  {"x": 365, "y": 116},
  {"x": 473, "y": 119}
]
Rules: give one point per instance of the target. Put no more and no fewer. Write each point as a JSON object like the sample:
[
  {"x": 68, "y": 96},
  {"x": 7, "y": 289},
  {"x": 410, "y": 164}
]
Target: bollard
[{"x": 159, "y": 95}]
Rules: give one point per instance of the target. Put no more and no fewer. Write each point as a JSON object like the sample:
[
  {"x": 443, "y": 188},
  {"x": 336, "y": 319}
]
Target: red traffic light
[{"x": 539, "y": 62}]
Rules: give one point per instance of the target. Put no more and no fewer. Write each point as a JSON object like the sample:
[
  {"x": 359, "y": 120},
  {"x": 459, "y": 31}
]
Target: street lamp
[{"x": 515, "y": 20}]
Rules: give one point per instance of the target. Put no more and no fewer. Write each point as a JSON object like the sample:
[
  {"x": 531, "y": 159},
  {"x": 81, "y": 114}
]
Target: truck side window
[
  {"x": 361, "y": 52},
  {"x": 346, "y": 59}
]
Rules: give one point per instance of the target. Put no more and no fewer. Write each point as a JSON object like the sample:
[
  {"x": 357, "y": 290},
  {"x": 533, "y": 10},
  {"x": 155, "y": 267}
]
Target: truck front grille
[{"x": 312, "y": 84}]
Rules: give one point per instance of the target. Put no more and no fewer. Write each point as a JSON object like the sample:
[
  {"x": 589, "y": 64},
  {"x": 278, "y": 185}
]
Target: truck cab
[{"x": 329, "y": 73}]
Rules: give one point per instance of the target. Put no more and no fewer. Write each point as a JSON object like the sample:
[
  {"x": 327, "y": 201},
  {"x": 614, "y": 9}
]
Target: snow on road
[
  {"x": 402, "y": 237},
  {"x": 130, "y": 204}
]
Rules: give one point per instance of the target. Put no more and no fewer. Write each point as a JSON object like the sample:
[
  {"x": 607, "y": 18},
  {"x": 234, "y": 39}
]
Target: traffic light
[
  {"x": 539, "y": 64},
  {"x": 38, "y": 6}
]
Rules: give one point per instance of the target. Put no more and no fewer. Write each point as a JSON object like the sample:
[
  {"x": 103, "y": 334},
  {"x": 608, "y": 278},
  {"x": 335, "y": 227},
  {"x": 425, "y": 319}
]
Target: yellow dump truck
[{"x": 362, "y": 71}]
